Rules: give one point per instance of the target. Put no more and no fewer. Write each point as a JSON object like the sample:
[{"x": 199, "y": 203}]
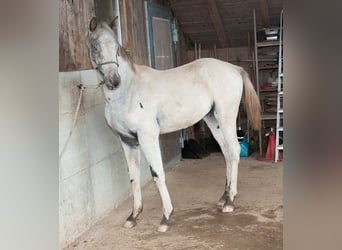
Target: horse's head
[{"x": 104, "y": 48}]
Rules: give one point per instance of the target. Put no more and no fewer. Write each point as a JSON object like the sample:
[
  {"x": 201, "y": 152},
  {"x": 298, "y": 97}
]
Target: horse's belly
[{"x": 182, "y": 118}]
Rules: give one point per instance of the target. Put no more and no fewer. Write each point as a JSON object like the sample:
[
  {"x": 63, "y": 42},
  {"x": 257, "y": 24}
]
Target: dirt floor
[{"x": 195, "y": 186}]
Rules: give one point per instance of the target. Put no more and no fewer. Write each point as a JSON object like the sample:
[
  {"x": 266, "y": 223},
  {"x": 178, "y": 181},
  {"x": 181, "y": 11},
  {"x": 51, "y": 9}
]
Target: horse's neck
[{"x": 126, "y": 71}]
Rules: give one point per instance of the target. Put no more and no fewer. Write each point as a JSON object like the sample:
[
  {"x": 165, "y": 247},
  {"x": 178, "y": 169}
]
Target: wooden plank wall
[
  {"x": 133, "y": 30},
  {"x": 74, "y": 17}
]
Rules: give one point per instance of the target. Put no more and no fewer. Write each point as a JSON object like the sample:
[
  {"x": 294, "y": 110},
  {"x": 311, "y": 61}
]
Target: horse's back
[{"x": 212, "y": 73}]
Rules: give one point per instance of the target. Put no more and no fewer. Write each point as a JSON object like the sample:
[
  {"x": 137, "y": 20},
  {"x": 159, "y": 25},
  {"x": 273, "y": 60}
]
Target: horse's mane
[{"x": 124, "y": 53}]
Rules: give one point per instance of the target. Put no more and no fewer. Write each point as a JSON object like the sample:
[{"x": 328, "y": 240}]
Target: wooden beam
[
  {"x": 217, "y": 22},
  {"x": 265, "y": 16}
]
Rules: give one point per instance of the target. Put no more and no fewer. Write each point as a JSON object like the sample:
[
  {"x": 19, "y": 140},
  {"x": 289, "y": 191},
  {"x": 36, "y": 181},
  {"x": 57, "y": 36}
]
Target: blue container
[{"x": 244, "y": 148}]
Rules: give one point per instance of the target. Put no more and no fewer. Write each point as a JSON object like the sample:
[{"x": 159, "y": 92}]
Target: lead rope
[
  {"x": 75, "y": 118},
  {"x": 82, "y": 88}
]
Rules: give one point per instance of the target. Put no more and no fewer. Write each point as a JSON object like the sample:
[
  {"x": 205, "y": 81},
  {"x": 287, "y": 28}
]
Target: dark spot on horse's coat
[
  {"x": 141, "y": 106},
  {"x": 212, "y": 107},
  {"x": 134, "y": 134},
  {"x": 131, "y": 217},
  {"x": 229, "y": 201},
  {"x": 131, "y": 181},
  {"x": 132, "y": 142},
  {"x": 224, "y": 196},
  {"x": 165, "y": 221},
  {"x": 218, "y": 126},
  {"x": 153, "y": 173}
]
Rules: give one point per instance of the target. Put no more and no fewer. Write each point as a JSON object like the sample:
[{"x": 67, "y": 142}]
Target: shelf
[
  {"x": 268, "y": 67},
  {"x": 267, "y": 43},
  {"x": 270, "y": 116},
  {"x": 268, "y": 90},
  {"x": 266, "y": 116}
]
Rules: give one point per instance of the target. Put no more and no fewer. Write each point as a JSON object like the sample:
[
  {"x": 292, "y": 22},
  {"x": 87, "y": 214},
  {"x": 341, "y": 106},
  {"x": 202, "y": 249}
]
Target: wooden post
[
  {"x": 73, "y": 30},
  {"x": 249, "y": 45},
  {"x": 195, "y": 51}
]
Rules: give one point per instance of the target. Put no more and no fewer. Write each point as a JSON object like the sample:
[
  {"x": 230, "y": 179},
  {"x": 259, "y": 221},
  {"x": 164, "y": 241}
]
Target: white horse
[{"x": 141, "y": 103}]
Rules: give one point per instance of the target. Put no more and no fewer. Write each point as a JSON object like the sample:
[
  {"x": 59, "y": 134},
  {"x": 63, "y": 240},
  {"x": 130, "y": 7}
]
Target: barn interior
[{"x": 95, "y": 193}]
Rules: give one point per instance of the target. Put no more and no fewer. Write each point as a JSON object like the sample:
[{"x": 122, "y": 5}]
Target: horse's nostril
[{"x": 115, "y": 80}]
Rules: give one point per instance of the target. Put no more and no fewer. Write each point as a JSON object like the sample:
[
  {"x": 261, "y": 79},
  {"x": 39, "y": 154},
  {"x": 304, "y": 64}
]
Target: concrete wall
[{"x": 93, "y": 171}]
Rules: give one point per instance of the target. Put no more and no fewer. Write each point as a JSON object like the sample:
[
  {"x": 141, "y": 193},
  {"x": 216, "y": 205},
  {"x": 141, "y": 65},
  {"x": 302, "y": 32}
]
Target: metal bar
[{"x": 280, "y": 91}]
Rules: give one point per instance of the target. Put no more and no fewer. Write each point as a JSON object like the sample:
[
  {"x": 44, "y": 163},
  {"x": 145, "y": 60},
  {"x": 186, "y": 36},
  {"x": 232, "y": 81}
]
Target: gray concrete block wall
[{"x": 93, "y": 175}]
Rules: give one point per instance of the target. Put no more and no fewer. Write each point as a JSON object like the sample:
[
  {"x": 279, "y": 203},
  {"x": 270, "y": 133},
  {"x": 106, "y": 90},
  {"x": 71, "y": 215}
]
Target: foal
[{"x": 141, "y": 103}]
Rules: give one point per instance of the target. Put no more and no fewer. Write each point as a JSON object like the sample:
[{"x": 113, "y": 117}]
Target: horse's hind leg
[
  {"x": 225, "y": 135},
  {"x": 132, "y": 154},
  {"x": 149, "y": 142}
]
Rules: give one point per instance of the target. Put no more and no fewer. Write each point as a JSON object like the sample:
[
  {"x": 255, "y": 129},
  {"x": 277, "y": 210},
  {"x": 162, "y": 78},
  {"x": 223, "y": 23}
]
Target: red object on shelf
[{"x": 267, "y": 87}]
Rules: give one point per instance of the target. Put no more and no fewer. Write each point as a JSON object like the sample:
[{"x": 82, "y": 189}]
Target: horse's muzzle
[{"x": 114, "y": 81}]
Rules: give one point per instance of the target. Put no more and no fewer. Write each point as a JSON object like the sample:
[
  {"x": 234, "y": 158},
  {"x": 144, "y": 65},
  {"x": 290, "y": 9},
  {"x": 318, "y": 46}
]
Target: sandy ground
[{"x": 195, "y": 186}]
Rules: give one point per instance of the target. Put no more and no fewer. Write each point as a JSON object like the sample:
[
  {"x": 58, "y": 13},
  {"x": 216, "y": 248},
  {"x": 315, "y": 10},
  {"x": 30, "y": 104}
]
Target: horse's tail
[{"x": 251, "y": 101}]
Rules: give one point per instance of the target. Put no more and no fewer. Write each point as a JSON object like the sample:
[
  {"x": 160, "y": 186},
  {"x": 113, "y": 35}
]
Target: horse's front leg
[
  {"x": 132, "y": 153},
  {"x": 149, "y": 142}
]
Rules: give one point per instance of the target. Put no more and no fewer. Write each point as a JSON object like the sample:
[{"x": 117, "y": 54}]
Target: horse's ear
[
  {"x": 93, "y": 24},
  {"x": 113, "y": 24}
]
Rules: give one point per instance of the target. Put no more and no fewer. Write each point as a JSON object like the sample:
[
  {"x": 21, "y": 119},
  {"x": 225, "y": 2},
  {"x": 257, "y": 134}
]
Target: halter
[{"x": 109, "y": 62}]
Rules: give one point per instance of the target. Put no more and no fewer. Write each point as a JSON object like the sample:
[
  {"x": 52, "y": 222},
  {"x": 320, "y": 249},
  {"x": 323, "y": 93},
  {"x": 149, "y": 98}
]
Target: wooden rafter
[
  {"x": 217, "y": 22},
  {"x": 265, "y": 16}
]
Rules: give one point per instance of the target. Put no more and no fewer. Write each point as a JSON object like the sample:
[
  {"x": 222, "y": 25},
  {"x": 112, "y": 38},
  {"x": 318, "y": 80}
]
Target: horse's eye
[{"x": 94, "y": 47}]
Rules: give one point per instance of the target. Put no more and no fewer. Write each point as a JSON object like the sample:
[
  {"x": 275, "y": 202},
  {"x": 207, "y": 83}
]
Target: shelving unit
[{"x": 268, "y": 61}]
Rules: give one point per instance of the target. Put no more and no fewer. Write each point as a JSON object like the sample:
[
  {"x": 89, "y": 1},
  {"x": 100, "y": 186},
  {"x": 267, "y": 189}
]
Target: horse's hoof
[
  {"x": 227, "y": 209},
  {"x": 163, "y": 228},
  {"x": 130, "y": 224}
]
